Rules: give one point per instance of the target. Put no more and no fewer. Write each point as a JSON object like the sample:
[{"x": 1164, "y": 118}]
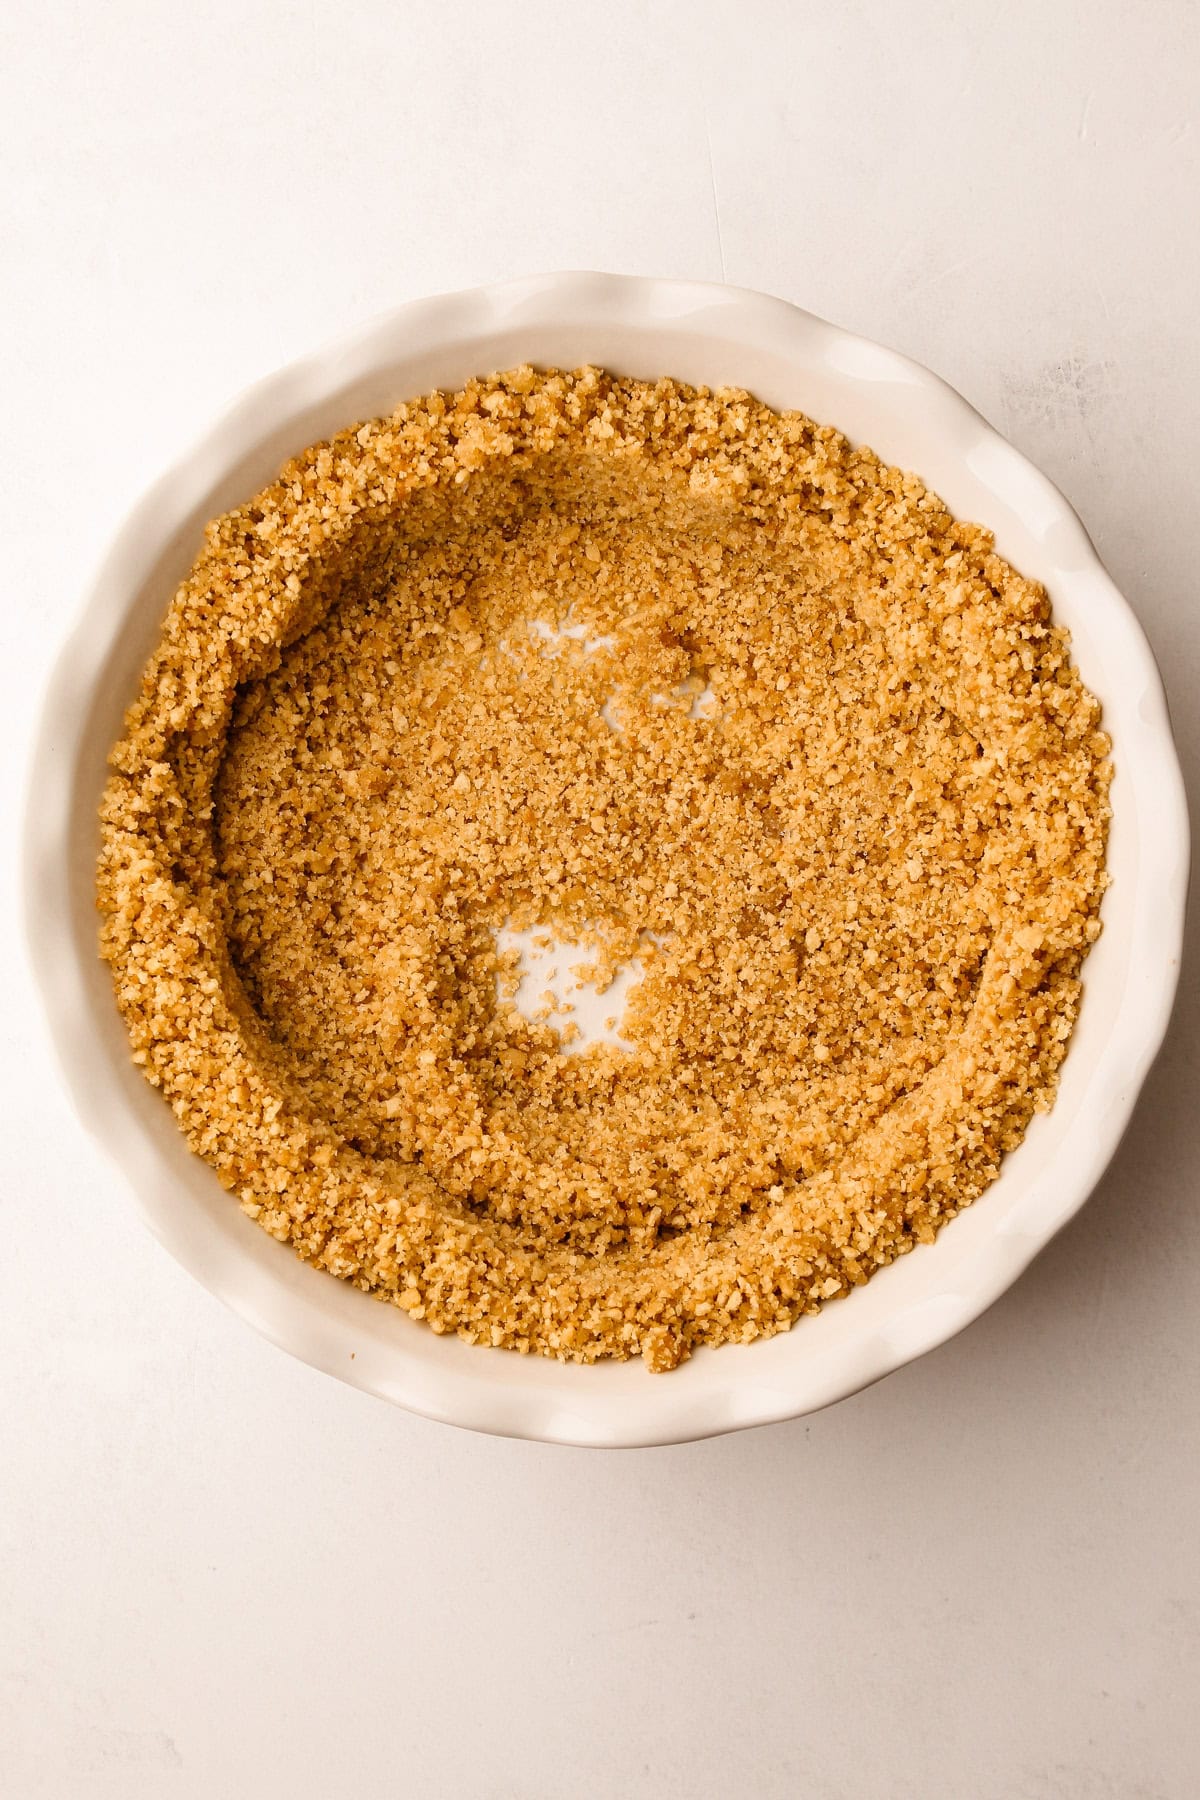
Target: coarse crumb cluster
[{"x": 667, "y": 674}]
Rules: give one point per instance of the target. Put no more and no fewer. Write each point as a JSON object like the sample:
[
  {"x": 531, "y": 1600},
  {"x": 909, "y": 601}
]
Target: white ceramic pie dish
[{"x": 698, "y": 333}]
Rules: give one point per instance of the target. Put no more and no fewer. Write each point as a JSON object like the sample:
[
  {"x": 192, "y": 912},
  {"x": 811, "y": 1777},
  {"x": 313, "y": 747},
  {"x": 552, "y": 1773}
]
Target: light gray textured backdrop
[{"x": 223, "y": 1574}]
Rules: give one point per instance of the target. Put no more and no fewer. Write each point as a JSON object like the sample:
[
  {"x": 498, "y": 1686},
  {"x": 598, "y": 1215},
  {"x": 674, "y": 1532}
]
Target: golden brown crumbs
[{"x": 664, "y": 673}]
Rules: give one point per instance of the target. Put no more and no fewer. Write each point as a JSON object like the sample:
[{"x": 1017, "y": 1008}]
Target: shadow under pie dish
[{"x": 687, "y": 681}]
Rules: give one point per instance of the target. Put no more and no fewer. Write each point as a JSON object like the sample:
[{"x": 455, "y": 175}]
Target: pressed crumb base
[{"x": 669, "y": 675}]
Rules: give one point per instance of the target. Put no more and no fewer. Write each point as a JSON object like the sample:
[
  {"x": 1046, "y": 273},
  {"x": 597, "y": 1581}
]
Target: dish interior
[{"x": 693, "y": 683}]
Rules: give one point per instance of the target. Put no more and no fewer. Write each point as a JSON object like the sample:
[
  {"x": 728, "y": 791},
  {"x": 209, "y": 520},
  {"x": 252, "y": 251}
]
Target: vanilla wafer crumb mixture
[{"x": 666, "y": 674}]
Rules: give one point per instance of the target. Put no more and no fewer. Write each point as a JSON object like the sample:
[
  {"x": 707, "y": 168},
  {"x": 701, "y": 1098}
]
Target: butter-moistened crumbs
[{"x": 664, "y": 673}]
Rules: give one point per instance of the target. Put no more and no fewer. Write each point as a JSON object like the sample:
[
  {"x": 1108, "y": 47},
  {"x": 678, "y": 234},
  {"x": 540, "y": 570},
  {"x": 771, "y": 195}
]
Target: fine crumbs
[{"x": 685, "y": 681}]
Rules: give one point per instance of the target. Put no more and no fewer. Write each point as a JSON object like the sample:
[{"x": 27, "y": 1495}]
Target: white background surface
[{"x": 224, "y": 1574}]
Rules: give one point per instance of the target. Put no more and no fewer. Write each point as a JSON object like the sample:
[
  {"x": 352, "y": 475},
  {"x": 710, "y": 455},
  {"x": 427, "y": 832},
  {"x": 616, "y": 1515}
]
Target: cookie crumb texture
[{"x": 665, "y": 673}]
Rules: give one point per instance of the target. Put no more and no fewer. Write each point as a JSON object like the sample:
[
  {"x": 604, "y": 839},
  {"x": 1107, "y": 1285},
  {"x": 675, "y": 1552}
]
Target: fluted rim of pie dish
[{"x": 655, "y": 327}]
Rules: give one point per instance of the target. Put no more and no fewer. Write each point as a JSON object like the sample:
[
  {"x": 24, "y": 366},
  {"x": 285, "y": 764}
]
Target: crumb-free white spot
[
  {"x": 553, "y": 972},
  {"x": 572, "y": 633},
  {"x": 703, "y": 705}
]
